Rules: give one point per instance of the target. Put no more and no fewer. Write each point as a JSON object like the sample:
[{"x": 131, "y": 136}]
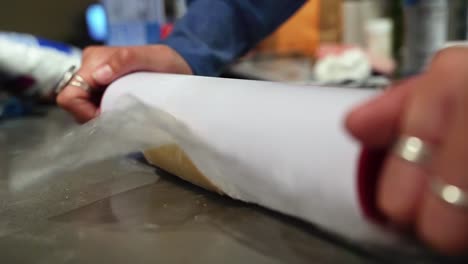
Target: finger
[
  {"x": 123, "y": 61},
  {"x": 156, "y": 58},
  {"x": 402, "y": 184},
  {"x": 382, "y": 113},
  {"x": 77, "y": 102},
  {"x": 442, "y": 225},
  {"x": 93, "y": 59},
  {"x": 375, "y": 123}
]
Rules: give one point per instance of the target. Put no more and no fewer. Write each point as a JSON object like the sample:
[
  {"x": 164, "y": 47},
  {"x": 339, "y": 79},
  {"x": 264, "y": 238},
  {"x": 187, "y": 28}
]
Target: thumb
[
  {"x": 156, "y": 58},
  {"x": 121, "y": 62}
]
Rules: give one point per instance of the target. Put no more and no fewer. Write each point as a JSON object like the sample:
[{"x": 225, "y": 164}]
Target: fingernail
[{"x": 103, "y": 75}]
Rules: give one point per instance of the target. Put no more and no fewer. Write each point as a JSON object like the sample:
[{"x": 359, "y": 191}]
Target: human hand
[
  {"x": 102, "y": 65},
  {"x": 434, "y": 108}
]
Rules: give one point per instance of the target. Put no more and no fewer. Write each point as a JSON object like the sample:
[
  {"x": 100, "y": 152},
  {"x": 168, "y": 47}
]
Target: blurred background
[
  {"x": 360, "y": 43},
  {"x": 53, "y": 19},
  {"x": 391, "y": 32}
]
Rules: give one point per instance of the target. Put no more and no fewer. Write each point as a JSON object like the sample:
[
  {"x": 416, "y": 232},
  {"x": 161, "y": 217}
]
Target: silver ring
[
  {"x": 412, "y": 149},
  {"x": 66, "y": 77},
  {"x": 70, "y": 78},
  {"x": 450, "y": 194}
]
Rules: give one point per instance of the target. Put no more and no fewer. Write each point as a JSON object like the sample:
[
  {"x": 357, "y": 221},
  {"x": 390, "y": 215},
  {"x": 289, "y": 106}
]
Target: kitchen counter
[{"x": 123, "y": 211}]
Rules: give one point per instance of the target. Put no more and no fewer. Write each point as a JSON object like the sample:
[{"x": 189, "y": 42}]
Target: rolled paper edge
[{"x": 174, "y": 160}]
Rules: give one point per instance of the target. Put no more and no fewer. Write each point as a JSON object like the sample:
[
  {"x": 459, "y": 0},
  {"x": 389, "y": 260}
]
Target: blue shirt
[{"x": 214, "y": 33}]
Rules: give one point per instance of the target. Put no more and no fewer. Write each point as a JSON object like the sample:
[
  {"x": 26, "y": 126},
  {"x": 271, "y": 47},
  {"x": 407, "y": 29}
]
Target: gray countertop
[{"x": 120, "y": 211}]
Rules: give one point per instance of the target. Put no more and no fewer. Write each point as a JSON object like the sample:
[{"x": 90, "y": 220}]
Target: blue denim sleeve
[{"x": 213, "y": 33}]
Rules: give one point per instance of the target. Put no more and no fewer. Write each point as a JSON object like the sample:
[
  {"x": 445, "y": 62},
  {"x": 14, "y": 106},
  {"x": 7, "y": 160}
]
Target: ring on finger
[
  {"x": 412, "y": 149},
  {"x": 66, "y": 77},
  {"x": 71, "y": 78},
  {"x": 78, "y": 81},
  {"x": 450, "y": 194}
]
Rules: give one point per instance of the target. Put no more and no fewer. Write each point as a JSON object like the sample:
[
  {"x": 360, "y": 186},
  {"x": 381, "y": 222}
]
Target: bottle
[
  {"x": 136, "y": 22},
  {"x": 425, "y": 32},
  {"x": 32, "y": 65},
  {"x": 379, "y": 34},
  {"x": 457, "y": 19}
]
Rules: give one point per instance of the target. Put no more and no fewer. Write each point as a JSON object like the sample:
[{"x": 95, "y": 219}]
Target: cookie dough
[{"x": 173, "y": 159}]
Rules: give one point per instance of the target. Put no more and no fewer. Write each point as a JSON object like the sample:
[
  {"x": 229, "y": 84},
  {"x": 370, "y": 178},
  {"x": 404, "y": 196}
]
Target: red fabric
[
  {"x": 20, "y": 85},
  {"x": 166, "y": 30},
  {"x": 370, "y": 164}
]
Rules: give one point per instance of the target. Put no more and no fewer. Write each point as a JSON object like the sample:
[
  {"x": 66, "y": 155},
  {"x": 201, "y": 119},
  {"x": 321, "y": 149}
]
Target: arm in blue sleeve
[{"x": 214, "y": 33}]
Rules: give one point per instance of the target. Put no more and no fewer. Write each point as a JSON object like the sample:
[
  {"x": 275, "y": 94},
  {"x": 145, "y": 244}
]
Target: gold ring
[
  {"x": 79, "y": 82},
  {"x": 70, "y": 78},
  {"x": 412, "y": 149}
]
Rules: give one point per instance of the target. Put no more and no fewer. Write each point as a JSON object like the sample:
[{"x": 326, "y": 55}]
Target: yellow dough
[{"x": 173, "y": 159}]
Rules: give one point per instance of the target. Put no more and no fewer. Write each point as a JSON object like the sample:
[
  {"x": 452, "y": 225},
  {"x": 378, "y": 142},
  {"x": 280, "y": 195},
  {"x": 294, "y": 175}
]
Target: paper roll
[{"x": 277, "y": 145}]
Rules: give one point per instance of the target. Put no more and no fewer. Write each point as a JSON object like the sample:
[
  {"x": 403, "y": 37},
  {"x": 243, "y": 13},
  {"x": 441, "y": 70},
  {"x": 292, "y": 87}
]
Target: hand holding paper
[{"x": 281, "y": 146}]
